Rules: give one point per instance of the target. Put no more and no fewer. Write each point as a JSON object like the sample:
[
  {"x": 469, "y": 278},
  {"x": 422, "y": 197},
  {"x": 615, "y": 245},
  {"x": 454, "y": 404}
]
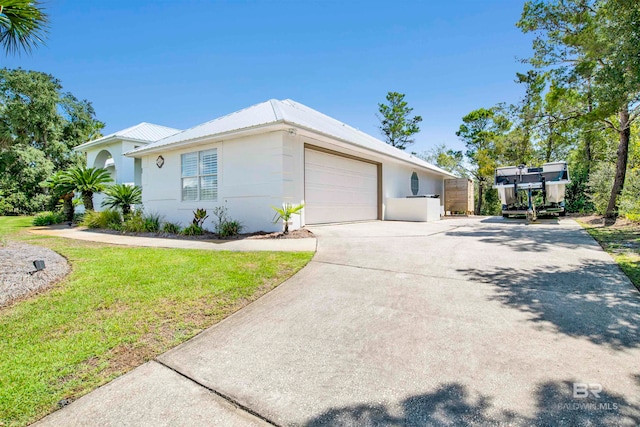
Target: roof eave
[
  {"x": 416, "y": 163},
  {"x": 277, "y": 125},
  {"x": 217, "y": 137},
  {"x": 108, "y": 140}
]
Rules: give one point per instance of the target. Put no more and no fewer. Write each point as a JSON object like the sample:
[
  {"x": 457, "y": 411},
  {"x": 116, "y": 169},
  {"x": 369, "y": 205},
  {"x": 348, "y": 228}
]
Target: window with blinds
[{"x": 200, "y": 175}]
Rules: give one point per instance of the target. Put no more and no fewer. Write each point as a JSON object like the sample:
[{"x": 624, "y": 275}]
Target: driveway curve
[{"x": 470, "y": 321}]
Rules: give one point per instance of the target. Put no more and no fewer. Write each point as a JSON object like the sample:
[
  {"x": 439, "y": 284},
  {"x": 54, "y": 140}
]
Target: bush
[
  {"x": 134, "y": 223},
  {"x": 629, "y": 199},
  {"x": 230, "y": 228},
  {"x": 600, "y": 184},
  {"x": 16, "y": 203},
  {"x": 152, "y": 222},
  {"x": 577, "y": 197},
  {"x": 199, "y": 215},
  {"x": 193, "y": 230},
  {"x": 48, "y": 218},
  {"x": 225, "y": 226},
  {"x": 138, "y": 222},
  {"x": 104, "y": 219},
  {"x": 171, "y": 228}
]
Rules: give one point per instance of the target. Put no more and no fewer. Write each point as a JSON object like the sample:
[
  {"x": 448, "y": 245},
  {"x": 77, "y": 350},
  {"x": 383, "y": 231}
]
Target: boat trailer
[{"x": 532, "y": 191}]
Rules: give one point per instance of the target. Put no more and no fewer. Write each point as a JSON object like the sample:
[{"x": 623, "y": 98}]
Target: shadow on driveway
[
  {"x": 452, "y": 404},
  {"x": 521, "y": 238},
  {"x": 592, "y": 300}
]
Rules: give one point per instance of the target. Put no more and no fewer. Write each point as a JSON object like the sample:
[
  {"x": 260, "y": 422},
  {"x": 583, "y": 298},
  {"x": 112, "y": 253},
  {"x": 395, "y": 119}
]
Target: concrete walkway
[
  {"x": 244, "y": 245},
  {"x": 460, "y": 322}
]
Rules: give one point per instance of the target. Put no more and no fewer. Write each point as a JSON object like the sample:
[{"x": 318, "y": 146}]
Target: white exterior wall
[
  {"x": 124, "y": 170},
  {"x": 396, "y": 175},
  {"x": 414, "y": 209},
  {"x": 293, "y": 176},
  {"x": 396, "y": 182},
  {"x": 260, "y": 171},
  {"x": 253, "y": 173}
]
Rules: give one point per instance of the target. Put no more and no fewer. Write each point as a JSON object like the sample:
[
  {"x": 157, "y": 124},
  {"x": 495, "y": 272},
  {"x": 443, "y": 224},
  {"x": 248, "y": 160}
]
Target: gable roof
[
  {"x": 142, "y": 132},
  {"x": 291, "y": 113}
]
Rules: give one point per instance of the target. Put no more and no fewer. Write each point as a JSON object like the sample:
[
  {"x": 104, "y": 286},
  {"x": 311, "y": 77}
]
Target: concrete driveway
[{"x": 460, "y": 322}]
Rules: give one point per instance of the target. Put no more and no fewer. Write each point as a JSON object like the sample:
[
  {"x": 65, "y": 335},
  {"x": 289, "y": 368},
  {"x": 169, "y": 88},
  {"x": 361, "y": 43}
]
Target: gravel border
[{"x": 17, "y": 273}]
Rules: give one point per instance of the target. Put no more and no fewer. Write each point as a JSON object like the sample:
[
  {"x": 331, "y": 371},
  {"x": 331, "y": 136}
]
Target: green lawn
[
  {"x": 623, "y": 243},
  {"x": 119, "y": 307},
  {"x": 11, "y": 224}
]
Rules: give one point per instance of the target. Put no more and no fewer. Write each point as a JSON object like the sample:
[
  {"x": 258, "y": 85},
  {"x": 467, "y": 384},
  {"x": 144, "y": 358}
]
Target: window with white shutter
[{"x": 200, "y": 175}]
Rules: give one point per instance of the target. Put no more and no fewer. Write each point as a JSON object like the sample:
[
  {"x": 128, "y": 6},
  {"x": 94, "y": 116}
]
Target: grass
[
  {"x": 622, "y": 242},
  {"x": 120, "y": 307},
  {"x": 11, "y": 224}
]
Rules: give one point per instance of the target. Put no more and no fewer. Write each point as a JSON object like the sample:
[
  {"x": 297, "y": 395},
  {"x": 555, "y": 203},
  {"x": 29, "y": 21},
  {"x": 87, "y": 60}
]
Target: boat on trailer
[{"x": 532, "y": 191}]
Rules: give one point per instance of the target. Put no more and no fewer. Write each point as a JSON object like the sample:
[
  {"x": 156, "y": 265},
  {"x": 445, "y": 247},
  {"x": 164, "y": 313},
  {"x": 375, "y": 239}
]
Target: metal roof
[
  {"x": 291, "y": 113},
  {"x": 143, "y": 132}
]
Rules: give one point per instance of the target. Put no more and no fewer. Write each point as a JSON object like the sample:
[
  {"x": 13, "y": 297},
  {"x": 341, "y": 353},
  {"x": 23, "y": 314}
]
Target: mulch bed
[
  {"x": 294, "y": 234},
  {"x": 18, "y": 277}
]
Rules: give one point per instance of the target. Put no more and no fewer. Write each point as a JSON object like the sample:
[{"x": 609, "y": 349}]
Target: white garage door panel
[{"x": 339, "y": 189}]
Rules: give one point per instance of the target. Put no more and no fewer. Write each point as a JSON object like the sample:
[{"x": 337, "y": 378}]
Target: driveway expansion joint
[
  {"x": 408, "y": 273},
  {"x": 229, "y": 399}
]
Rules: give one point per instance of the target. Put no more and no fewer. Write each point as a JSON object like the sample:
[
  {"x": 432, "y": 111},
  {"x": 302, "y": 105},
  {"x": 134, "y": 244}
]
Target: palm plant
[
  {"x": 22, "y": 25},
  {"x": 62, "y": 189},
  {"x": 122, "y": 196},
  {"x": 285, "y": 213},
  {"x": 88, "y": 181}
]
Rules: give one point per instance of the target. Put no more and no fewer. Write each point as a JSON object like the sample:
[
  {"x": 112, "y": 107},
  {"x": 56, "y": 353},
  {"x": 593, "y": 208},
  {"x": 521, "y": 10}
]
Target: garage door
[{"x": 339, "y": 189}]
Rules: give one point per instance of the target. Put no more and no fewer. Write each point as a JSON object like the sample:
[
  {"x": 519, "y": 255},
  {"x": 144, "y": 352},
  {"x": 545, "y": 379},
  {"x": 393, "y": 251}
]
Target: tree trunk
[
  {"x": 480, "y": 195},
  {"x": 126, "y": 210},
  {"x": 67, "y": 207},
  {"x": 621, "y": 162},
  {"x": 87, "y": 199},
  {"x": 589, "y": 135}
]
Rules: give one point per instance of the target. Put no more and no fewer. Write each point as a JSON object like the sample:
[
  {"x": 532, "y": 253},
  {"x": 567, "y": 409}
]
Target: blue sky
[{"x": 180, "y": 63}]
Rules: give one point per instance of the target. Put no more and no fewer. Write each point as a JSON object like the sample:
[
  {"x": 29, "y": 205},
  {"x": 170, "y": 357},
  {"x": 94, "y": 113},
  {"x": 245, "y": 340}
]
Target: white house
[
  {"x": 272, "y": 153},
  {"x": 108, "y": 152}
]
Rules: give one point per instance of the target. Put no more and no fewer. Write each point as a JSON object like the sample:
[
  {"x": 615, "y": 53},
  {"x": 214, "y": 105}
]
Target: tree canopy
[
  {"x": 40, "y": 124},
  {"x": 580, "y": 103},
  {"x": 593, "y": 45},
  {"x": 395, "y": 124}
]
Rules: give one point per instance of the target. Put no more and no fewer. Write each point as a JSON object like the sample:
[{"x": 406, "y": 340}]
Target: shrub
[
  {"x": 171, "y": 227},
  {"x": 230, "y": 228},
  {"x": 193, "y": 230},
  {"x": 224, "y": 225},
  {"x": 139, "y": 222},
  {"x": 104, "y": 219},
  {"x": 134, "y": 223},
  {"x": 285, "y": 213},
  {"x": 600, "y": 184},
  {"x": 152, "y": 222},
  {"x": 577, "y": 198},
  {"x": 629, "y": 200},
  {"x": 199, "y": 215},
  {"x": 122, "y": 196},
  {"x": 48, "y": 218}
]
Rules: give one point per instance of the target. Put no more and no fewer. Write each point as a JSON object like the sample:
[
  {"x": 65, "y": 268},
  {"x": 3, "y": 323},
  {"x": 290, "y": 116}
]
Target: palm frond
[{"x": 23, "y": 25}]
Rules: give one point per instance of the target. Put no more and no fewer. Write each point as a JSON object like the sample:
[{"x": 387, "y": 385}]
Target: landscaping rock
[{"x": 18, "y": 276}]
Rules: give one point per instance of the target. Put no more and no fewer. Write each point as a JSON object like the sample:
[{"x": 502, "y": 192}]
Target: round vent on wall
[{"x": 414, "y": 184}]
